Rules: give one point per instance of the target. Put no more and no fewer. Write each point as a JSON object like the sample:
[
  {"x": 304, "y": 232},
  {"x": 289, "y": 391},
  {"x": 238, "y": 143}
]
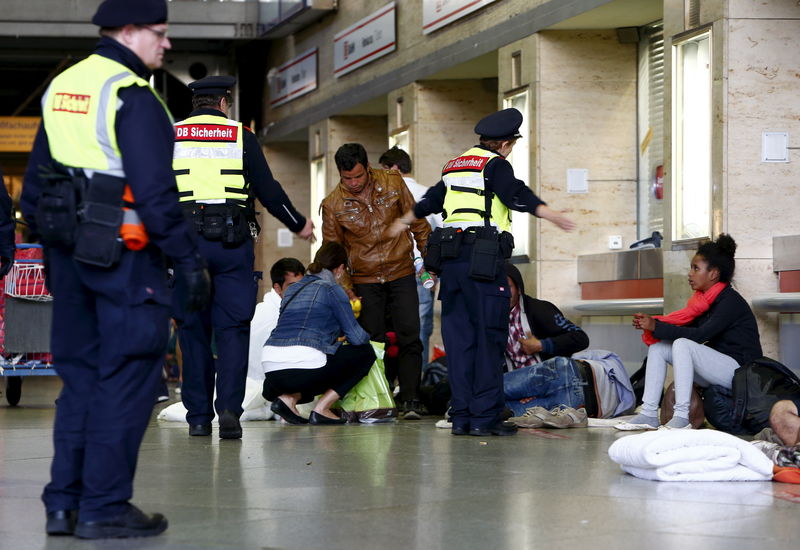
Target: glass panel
[
  {"x": 317, "y": 194},
  {"x": 692, "y": 122},
  {"x": 520, "y": 161}
]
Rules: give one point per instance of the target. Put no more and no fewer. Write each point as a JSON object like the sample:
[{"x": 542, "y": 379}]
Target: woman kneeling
[{"x": 304, "y": 356}]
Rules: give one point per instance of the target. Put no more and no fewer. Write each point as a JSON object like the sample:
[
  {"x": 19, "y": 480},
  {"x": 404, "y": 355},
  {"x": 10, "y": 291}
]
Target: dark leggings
[{"x": 343, "y": 370}]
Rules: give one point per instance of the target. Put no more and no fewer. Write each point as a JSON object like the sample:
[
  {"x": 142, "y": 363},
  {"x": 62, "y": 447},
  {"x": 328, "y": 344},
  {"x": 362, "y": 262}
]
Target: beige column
[
  {"x": 756, "y": 68},
  {"x": 582, "y": 87},
  {"x": 289, "y": 165}
]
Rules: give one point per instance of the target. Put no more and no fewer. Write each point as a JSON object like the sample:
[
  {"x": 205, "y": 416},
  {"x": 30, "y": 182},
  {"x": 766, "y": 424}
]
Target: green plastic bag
[{"x": 371, "y": 399}]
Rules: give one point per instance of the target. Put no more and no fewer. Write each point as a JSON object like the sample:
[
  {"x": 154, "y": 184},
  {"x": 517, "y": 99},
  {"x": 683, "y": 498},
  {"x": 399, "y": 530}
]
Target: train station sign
[
  {"x": 439, "y": 13},
  {"x": 365, "y": 41},
  {"x": 293, "y": 79}
]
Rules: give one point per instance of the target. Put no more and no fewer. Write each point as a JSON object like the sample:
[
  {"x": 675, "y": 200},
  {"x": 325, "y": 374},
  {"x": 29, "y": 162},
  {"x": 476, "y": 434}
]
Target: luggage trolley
[{"x": 27, "y": 314}]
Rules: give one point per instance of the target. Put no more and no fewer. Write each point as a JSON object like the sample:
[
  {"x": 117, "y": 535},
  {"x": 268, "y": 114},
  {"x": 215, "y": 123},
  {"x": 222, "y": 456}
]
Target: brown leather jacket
[{"x": 358, "y": 223}]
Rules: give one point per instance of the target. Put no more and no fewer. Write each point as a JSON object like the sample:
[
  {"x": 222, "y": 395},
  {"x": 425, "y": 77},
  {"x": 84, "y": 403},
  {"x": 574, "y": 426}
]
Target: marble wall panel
[
  {"x": 761, "y": 198},
  {"x": 587, "y": 55},
  {"x": 558, "y": 281},
  {"x": 591, "y": 126},
  {"x": 763, "y": 9},
  {"x": 754, "y": 277},
  {"x": 289, "y": 164},
  {"x": 586, "y": 118}
]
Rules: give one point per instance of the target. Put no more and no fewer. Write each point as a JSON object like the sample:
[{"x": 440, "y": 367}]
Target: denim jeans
[
  {"x": 549, "y": 383},
  {"x": 425, "y": 320}
]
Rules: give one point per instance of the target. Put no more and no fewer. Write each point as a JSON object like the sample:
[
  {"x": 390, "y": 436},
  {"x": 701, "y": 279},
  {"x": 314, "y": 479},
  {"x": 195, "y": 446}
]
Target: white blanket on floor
[{"x": 690, "y": 455}]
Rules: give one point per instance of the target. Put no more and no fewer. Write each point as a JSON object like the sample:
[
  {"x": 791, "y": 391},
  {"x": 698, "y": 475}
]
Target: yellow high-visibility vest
[
  {"x": 209, "y": 159},
  {"x": 465, "y": 202},
  {"x": 79, "y": 111}
]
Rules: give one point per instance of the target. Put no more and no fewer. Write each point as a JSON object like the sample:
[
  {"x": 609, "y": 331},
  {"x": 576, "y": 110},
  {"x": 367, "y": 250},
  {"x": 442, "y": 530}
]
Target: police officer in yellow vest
[
  {"x": 220, "y": 170},
  {"x": 105, "y": 130},
  {"x": 476, "y": 194}
]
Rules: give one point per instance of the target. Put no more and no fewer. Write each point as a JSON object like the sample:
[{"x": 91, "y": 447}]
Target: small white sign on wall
[
  {"x": 774, "y": 147},
  {"x": 285, "y": 238},
  {"x": 577, "y": 180}
]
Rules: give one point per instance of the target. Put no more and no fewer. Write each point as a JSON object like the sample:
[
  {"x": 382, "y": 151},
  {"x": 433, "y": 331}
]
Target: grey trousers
[{"x": 692, "y": 363}]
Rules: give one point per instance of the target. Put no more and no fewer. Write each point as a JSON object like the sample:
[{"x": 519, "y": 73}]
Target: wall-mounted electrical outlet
[{"x": 615, "y": 242}]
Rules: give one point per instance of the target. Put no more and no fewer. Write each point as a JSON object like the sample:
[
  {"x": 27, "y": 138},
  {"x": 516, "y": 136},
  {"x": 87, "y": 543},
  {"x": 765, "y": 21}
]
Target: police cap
[
  {"x": 501, "y": 125},
  {"x": 118, "y": 13},
  {"x": 212, "y": 85}
]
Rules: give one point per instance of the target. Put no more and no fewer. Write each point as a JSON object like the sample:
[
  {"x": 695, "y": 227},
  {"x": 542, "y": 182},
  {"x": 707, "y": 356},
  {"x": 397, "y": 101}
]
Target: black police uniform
[
  {"x": 234, "y": 289},
  {"x": 111, "y": 324},
  {"x": 475, "y": 312},
  {"x": 6, "y": 230}
]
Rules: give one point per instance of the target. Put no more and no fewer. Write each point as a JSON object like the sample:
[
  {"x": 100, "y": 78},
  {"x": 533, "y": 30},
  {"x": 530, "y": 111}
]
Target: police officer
[
  {"x": 476, "y": 193},
  {"x": 6, "y": 230},
  {"x": 220, "y": 168},
  {"x": 104, "y": 128}
]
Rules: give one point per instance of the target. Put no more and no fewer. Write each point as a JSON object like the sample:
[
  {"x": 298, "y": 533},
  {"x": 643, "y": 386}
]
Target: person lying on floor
[
  {"x": 784, "y": 419},
  {"x": 304, "y": 356},
  {"x": 705, "y": 342},
  {"x": 540, "y": 375}
]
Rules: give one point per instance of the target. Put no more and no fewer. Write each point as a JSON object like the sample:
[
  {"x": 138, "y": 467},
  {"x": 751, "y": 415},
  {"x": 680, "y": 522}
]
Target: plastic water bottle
[{"x": 419, "y": 264}]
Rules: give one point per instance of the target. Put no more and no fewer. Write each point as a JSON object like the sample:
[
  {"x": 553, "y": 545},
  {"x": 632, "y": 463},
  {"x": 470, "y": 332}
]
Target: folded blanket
[{"x": 690, "y": 455}]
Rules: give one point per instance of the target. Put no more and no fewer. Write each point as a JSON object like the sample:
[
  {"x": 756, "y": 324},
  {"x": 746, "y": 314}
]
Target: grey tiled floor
[{"x": 404, "y": 486}]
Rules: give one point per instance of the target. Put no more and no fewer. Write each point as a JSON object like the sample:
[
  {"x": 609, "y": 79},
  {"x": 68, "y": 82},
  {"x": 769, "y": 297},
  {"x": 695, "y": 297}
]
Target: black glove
[
  {"x": 195, "y": 283},
  {"x": 5, "y": 265}
]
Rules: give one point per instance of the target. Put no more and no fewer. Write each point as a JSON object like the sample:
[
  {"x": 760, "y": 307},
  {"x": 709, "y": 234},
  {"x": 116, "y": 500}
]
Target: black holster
[
  {"x": 443, "y": 244},
  {"x": 485, "y": 258},
  {"x": 57, "y": 208},
  {"x": 97, "y": 239},
  {"x": 219, "y": 222}
]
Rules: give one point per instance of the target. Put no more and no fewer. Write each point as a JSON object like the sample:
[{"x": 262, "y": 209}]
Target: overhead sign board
[
  {"x": 365, "y": 41},
  {"x": 294, "y": 78},
  {"x": 439, "y": 13},
  {"x": 17, "y": 133}
]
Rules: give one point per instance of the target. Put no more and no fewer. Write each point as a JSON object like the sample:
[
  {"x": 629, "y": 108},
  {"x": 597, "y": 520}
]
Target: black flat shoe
[
  {"x": 199, "y": 429},
  {"x": 132, "y": 523},
  {"x": 501, "y": 428},
  {"x": 282, "y": 409},
  {"x": 229, "y": 426},
  {"x": 317, "y": 419},
  {"x": 61, "y": 522}
]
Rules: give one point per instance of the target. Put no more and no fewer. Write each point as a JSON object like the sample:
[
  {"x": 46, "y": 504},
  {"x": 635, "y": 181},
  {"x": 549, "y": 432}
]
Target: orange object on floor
[{"x": 786, "y": 474}]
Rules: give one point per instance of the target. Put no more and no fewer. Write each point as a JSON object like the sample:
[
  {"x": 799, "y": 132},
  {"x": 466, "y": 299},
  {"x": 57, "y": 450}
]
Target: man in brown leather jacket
[{"x": 355, "y": 214}]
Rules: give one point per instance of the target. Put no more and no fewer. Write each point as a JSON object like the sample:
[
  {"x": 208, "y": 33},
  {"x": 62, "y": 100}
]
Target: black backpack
[{"x": 757, "y": 386}]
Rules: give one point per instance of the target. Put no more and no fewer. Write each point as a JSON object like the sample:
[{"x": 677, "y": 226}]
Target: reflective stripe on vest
[
  {"x": 79, "y": 111},
  {"x": 209, "y": 159},
  {"x": 465, "y": 201}
]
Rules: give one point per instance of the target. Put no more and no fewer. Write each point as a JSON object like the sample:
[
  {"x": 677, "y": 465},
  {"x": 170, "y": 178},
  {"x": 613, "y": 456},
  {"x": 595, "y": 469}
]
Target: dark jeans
[
  {"x": 475, "y": 331},
  {"x": 227, "y": 319},
  {"x": 399, "y": 299},
  {"x": 341, "y": 372}
]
